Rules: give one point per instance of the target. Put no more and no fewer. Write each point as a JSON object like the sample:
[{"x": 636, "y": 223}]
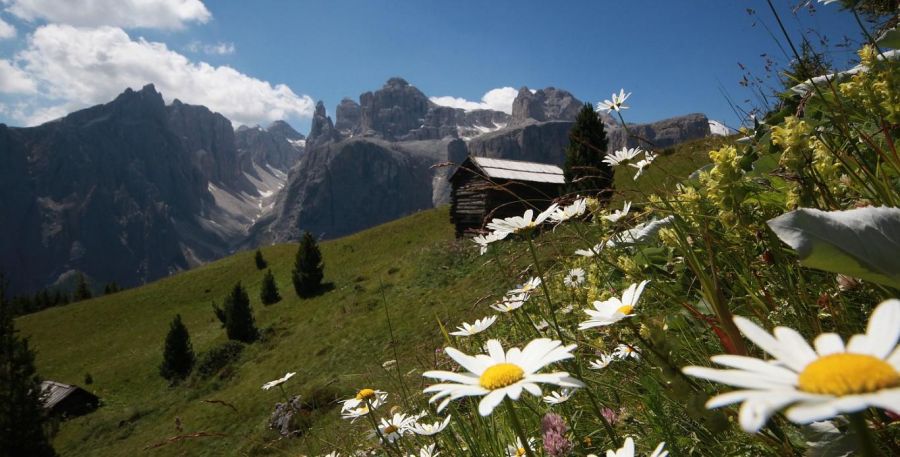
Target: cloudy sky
[{"x": 256, "y": 62}]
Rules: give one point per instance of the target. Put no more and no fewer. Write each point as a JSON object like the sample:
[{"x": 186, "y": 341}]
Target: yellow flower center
[
  {"x": 625, "y": 309},
  {"x": 390, "y": 429},
  {"x": 365, "y": 394},
  {"x": 846, "y": 374},
  {"x": 520, "y": 452},
  {"x": 501, "y": 375}
]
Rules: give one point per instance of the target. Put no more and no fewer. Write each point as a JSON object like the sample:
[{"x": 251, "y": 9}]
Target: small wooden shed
[
  {"x": 63, "y": 400},
  {"x": 484, "y": 188}
]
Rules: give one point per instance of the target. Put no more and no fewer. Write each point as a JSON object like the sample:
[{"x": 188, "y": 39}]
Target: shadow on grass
[{"x": 322, "y": 290}]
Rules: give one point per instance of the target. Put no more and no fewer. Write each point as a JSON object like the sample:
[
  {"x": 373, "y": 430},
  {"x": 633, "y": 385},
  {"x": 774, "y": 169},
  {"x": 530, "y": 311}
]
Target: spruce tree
[
  {"x": 269, "y": 291},
  {"x": 260, "y": 261},
  {"x": 82, "y": 291},
  {"x": 308, "y": 267},
  {"x": 178, "y": 355},
  {"x": 236, "y": 316},
  {"x": 22, "y": 414},
  {"x": 584, "y": 168}
]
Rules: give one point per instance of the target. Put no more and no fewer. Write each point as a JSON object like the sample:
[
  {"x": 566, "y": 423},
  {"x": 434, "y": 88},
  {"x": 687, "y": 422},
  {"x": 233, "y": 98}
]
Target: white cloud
[
  {"x": 500, "y": 99},
  {"x": 15, "y": 81},
  {"x": 75, "y": 68},
  {"x": 156, "y": 14},
  {"x": 6, "y": 30},
  {"x": 220, "y": 48}
]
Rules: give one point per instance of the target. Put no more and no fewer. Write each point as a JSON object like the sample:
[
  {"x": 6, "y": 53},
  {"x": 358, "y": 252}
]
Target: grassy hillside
[
  {"x": 413, "y": 265},
  {"x": 336, "y": 342}
]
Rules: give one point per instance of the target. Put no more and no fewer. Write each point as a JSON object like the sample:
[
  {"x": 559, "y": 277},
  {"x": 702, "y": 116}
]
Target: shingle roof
[{"x": 520, "y": 170}]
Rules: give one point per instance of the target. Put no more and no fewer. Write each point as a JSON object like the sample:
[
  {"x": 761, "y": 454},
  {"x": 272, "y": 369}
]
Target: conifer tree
[
  {"x": 308, "y": 267},
  {"x": 260, "y": 261},
  {"x": 111, "y": 288},
  {"x": 269, "y": 291},
  {"x": 236, "y": 316},
  {"x": 178, "y": 355},
  {"x": 22, "y": 414},
  {"x": 82, "y": 291},
  {"x": 584, "y": 168}
]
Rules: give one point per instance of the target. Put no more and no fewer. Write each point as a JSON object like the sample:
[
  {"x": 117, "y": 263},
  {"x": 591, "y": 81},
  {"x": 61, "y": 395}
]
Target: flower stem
[
  {"x": 517, "y": 427},
  {"x": 863, "y": 435},
  {"x": 540, "y": 272}
]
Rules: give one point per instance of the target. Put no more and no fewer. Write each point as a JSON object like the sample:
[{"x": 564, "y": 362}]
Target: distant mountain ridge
[
  {"x": 131, "y": 190},
  {"x": 377, "y": 162}
]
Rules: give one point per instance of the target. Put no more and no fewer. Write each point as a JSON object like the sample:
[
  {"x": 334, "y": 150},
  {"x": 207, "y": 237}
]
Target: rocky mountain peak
[
  {"x": 283, "y": 129},
  {"x": 348, "y": 115},
  {"x": 393, "y": 110},
  {"x": 548, "y": 104},
  {"x": 322, "y": 129}
]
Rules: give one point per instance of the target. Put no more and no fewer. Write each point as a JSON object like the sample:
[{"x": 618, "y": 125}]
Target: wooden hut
[
  {"x": 484, "y": 188},
  {"x": 62, "y": 400}
]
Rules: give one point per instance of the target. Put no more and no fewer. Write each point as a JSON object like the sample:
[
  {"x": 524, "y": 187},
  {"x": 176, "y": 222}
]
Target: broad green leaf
[{"x": 863, "y": 242}]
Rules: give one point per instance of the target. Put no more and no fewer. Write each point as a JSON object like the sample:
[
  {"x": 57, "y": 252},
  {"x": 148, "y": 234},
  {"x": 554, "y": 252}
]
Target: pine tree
[
  {"x": 260, "y": 261},
  {"x": 584, "y": 169},
  {"x": 178, "y": 355},
  {"x": 111, "y": 288},
  {"x": 308, "y": 267},
  {"x": 236, "y": 316},
  {"x": 269, "y": 291},
  {"x": 82, "y": 291},
  {"x": 22, "y": 414}
]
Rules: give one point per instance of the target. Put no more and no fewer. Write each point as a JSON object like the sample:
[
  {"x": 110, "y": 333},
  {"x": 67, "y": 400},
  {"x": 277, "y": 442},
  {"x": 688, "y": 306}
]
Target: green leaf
[
  {"x": 891, "y": 39},
  {"x": 862, "y": 242}
]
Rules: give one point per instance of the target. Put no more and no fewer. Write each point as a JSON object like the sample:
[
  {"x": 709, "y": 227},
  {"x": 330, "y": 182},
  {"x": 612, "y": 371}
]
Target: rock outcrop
[
  {"x": 278, "y": 146},
  {"x": 660, "y": 134},
  {"x": 392, "y": 111},
  {"x": 348, "y": 117},
  {"x": 550, "y": 104}
]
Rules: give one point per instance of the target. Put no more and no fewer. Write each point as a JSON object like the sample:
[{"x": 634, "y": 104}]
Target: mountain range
[{"x": 135, "y": 189}]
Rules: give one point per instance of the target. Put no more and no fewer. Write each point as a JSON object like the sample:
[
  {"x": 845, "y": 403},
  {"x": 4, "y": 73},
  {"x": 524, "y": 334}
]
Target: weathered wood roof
[
  {"x": 519, "y": 170},
  {"x": 55, "y": 392}
]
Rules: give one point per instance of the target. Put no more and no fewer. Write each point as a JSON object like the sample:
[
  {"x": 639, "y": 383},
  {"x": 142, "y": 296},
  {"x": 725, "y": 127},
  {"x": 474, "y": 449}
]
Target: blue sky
[{"x": 234, "y": 56}]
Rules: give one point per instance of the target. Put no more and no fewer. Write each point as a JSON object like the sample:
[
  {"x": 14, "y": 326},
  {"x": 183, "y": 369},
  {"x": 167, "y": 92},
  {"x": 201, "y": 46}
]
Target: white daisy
[
  {"x": 590, "y": 252},
  {"x": 577, "y": 208},
  {"x": 815, "y": 384},
  {"x": 375, "y": 398},
  {"x": 430, "y": 429},
  {"x": 528, "y": 287},
  {"x": 500, "y": 373},
  {"x": 622, "y": 156},
  {"x": 333, "y": 454},
  {"x": 574, "y": 278},
  {"x": 628, "y": 450},
  {"x": 602, "y": 362},
  {"x": 640, "y": 167},
  {"x": 510, "y": 303},
  {"x": 567, "y": 309},
  {"x": 479, "y": 326},
  {"x": 518, "y": 224},
  {"x": 558, "y": 396},
  {"x": 394, "y": 427},
  {"x": 484, "y": 240},
  {"x": 278, "y": 381},
  {"x": 613, "y": 310},
  {"x": 618, "y": 214},
  {"x": 624, "y": 351},
  {"x": 518, "y": 450},
  {"x": 543, "y": 324},
  {"x": 616, "y": 104},
  {"x": 354, "y": 413},
  {"x": 426, "y": 451}
]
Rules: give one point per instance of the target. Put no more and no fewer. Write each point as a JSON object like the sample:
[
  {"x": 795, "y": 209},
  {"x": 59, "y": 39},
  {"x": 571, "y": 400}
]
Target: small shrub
[
  {"x": 217, "y": 358},
  {"x": 260, "y": 261}
]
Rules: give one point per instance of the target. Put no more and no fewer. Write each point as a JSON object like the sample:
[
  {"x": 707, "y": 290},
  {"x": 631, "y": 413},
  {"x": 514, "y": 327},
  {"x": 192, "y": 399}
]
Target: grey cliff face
[
  {"x": 660, "y": 134},
  {"x": 349, "y": 117},
  {"x": 120, "y": 192},
  {"x": 392, "y": 111},
  {"x": 322, "y": 130},
  {"x": 549, "y": 104},
  {"x": 278, "y": 146}
]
